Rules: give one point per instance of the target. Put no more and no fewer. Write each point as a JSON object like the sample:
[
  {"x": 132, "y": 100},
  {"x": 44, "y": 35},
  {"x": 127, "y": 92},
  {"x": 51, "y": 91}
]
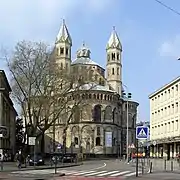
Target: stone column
[
  {"x": 174, "y": 150},
  {"x": 171, "y": 153},
  {"x": 165, "y": 151}
]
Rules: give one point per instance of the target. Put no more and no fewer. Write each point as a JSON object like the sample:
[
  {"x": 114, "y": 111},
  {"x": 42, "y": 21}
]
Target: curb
[{"x": 42, "y": 168}]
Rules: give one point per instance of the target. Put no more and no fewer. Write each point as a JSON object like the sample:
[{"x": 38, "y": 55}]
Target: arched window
[
  {"x": 117, "y": 56},
  {"x": 108, "y": 113},
  {"x": 76, "y": 114},
  {"x": 98, "y": 141},
  {"x": 61, "y": 50},
  {"x": 97, "y": 113},
  {"x": 67, "y": 51},
  {"x": 115, "y": 115},
  {"x": 113, "y": 56},
  {"x": 117, "y": 71},
  {"x": 76, "y": 141},
  {"x": 113, "y": 71}
]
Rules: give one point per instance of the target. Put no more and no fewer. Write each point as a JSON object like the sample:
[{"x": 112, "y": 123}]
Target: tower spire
[
  {"x": 114, "y": 41},
  {"x": 63, "y": 35}
]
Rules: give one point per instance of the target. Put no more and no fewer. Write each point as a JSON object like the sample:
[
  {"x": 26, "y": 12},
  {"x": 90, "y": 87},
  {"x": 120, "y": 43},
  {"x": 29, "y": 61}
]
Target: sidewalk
[
  {"x": 159, "y": 176},
  {"x": 12, "y": 166}
]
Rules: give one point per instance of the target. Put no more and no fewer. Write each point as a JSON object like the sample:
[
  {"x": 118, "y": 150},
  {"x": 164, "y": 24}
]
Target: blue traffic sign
[{"x": 142, "y": 132}]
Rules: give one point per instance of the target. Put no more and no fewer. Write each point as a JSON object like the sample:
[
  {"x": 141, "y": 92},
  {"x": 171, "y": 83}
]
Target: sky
[{"x": 149, "y": 33}]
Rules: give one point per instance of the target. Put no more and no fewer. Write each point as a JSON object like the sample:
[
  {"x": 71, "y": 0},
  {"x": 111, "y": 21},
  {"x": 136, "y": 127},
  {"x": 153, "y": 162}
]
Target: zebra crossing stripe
[
  {"x": 91, "y": 174},
  {"x": 131, "y": 174},
  {"x": 120, "y": 173},
  {"x": 81, "y": 173},
  {"x": 105, "y": 174}
]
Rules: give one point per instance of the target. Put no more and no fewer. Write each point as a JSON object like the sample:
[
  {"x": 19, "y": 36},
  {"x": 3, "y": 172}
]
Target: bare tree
[{"x": 42, "y": 89}]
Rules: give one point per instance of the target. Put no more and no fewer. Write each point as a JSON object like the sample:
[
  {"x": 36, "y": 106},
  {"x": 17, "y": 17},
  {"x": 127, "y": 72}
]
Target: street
[{"x": 104, "y": 169}]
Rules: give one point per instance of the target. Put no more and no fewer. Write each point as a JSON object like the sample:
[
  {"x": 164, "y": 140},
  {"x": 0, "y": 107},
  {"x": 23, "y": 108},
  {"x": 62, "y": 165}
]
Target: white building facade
[{"x": 165, "y": 120}]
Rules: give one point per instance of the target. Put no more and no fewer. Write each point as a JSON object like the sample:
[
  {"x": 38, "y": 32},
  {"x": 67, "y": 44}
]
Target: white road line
[
  {"x": 97, "y": 167},
  {"x": 68, "y": 172},
  {"x": 120, "y": 173},
  {"x": 85, "y": 172},
  {"x": 105, "y": 174},
  {"x": 131, "y": 174},
  {"x": 91, "y": 174}
]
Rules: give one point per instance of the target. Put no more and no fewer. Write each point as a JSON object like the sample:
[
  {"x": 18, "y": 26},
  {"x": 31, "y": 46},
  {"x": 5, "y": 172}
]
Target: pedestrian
[
  {"x": 1, "y": 161},
  {"x": 19, "y": 160}
]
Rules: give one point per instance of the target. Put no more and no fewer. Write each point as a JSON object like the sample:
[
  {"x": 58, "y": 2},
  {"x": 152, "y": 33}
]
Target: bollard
[
  {"x": 142, "y": 167},
  {"x": 171, "y": 165},
  {"x": 165, "y": 165}
]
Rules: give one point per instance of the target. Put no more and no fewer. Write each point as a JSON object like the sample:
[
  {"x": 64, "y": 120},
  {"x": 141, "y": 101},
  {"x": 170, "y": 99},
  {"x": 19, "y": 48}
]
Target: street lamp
[{"x": 127, "y": 96}]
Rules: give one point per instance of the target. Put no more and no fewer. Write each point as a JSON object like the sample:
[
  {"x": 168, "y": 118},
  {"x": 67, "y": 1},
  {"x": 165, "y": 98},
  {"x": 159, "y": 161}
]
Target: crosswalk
[{"x": 91, "y": 173}]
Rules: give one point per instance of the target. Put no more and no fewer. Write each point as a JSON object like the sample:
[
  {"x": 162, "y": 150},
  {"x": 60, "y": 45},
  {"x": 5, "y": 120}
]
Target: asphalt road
[{"x": 90, "y": 169}]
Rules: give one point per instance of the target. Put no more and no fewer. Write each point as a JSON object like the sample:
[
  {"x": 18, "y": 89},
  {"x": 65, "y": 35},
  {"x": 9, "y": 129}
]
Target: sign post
[
  {"x": 142, "y": 132},
  {"x": 32, "y": 142}
]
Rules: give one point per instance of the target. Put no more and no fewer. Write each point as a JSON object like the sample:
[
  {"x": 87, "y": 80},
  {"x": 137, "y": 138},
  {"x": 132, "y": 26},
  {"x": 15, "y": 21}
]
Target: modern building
[
  {"x": 165, "y": 120},
  {"x": 100, "y": 126},
  {"x": 8, "y": 116}
]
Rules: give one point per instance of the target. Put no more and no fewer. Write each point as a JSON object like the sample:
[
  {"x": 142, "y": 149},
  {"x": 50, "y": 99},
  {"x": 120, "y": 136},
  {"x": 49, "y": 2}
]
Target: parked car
[
  {"x": 68, "y": 158},
  {"x": 36, "y": 160}
]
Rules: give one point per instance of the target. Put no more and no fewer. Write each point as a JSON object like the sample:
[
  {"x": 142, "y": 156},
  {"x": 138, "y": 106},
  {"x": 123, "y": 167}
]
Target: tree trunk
[{"x": 42, "y": 143}]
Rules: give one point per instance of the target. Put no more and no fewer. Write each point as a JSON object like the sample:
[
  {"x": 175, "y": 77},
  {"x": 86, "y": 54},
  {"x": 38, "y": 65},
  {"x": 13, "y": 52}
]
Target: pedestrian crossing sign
[{"x": 142, "y": 132}]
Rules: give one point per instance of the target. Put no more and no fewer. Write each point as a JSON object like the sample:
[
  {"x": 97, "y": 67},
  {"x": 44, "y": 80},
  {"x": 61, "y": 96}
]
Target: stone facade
[
  {"x": 100, "y": 126},
  {"x": 7, "y": 117}
]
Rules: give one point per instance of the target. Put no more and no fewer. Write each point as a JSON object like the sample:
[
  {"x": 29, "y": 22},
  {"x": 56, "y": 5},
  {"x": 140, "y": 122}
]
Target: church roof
[
  {"x": 63, "y": 35},
  {"x": 95, "y": 87},
  {"x": 83, "y": 56},
  {"x": 114, "y": 41}
]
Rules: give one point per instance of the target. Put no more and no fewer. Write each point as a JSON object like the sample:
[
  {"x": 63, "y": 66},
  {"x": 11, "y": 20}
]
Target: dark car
[
  {"x": 69, "y": 158},
  {"x": 36, "y": 160}
]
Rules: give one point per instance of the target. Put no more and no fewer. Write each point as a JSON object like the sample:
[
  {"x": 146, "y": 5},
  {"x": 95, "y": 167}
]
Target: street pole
[{"x": 127, "y": 133}]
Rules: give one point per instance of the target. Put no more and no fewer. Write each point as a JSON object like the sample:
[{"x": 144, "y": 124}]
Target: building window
[
  {"x": 113, "y": 56},
  {"x": 98, "y": 131},
  {"x": 61, "y": 50},
  {"x": 98, "y": 141},
  {"x": 117, "y": 56},
  {"x": 117, "y": 71},
  {"x": 97, "y": 113},
  {"x": 76, "y": 141},
  {"x": 113, "y": 71},
  {"x": 67, "y": 51}
]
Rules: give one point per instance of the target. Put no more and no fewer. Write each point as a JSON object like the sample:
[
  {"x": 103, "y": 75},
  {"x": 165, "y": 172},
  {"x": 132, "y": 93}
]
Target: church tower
[
  {"x": 114, "y": 64},
  {"x": 63, "y": 46}
]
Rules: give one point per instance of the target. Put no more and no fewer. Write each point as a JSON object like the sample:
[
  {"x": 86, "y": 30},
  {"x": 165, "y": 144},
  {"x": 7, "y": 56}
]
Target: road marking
[
  {"x": 85, "y": 172},
  {"x": 92, "y": 174},
  {"x": 99, "y": 167},
  {"x": 105, "y": 174},
  {"x": 120, "y": 173},
  {"x": 131, "y": 174}
]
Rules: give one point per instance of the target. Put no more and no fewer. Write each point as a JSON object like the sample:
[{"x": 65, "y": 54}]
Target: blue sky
[{"x": 150, "y": 35}]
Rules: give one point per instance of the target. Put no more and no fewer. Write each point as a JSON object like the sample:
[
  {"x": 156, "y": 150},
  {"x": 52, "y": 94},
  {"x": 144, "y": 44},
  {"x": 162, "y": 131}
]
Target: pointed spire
[
  {"x": 114, "y": 41},
  {"x": 63, "y": 35}
]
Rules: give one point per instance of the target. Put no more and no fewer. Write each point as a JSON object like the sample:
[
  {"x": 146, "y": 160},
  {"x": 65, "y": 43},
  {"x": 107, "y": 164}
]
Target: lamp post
[{"x": 127, "y": 96}]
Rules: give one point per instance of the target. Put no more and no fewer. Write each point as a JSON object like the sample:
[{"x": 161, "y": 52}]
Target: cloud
[{"x": 171, "y": 48}]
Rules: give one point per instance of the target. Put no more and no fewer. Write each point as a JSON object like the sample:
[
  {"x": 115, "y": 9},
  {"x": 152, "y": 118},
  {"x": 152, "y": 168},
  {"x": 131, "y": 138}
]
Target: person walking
[
  {"x": 1, "y": 161},
  {"x": 19, "y": 160}
]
